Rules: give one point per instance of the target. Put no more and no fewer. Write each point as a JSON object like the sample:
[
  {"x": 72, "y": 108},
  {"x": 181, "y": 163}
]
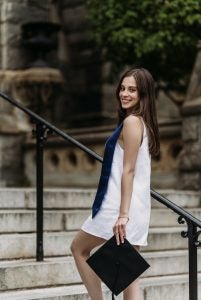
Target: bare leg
[
  {"x": 81, "y": 247},
  {"x": 133, "y": 290}
]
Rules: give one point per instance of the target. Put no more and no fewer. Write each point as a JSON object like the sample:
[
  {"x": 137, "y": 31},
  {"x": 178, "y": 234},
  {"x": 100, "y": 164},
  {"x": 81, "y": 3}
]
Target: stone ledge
[
  {"x": 192, "y": 107},
  {"x": 28, "y": 273},
  {"x": 32, "y": 75},
  {"x": 158, "y": 285},
  {"x": 82, "y": 198},
  {"x": 23, "y": 245},
  {"x": 13, "y": 221}
]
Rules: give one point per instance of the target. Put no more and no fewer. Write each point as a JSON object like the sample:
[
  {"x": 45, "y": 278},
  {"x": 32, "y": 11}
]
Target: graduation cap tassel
[{"x": 113, "y": 297}]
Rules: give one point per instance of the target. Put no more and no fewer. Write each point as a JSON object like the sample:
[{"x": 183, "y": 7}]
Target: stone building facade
[{"x": 73, "y": 92}]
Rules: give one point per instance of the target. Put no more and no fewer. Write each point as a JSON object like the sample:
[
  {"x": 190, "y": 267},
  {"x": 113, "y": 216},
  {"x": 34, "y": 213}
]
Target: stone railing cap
[{"x": 192, "y": 107}]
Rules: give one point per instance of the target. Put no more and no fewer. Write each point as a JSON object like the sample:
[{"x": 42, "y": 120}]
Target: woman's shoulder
[
  {"x": 133, "y": 120},
  {"x": 133, "y": 125}
]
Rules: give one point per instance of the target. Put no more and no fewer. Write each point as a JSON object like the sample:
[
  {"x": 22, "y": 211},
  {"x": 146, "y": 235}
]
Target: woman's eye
[{"x": 121, "y": 88}]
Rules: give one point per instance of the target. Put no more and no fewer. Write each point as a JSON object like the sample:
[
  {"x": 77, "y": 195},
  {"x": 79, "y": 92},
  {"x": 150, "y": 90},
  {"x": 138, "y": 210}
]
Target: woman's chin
[{"x": 127, "y": 107}]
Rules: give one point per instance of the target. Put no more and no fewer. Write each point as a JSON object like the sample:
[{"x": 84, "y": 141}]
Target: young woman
[{"x": 125, "y": 207}]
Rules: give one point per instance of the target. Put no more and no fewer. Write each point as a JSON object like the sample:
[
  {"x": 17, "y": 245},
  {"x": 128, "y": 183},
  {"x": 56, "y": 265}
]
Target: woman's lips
[{"x": 125, "y": 101}]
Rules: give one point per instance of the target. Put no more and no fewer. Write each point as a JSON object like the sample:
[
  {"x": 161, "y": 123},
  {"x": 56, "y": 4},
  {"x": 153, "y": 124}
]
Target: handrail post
[
  {"x": 39, "y": 190},
  {"x": 192, "y": 252}
]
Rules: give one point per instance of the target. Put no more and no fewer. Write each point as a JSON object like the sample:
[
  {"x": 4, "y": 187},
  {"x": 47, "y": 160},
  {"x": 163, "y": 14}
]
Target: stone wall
[
  {"x": 83, "y": 69},
  {"x": 190, "y": 157},
  {"x": 1, "y": 1},
  {"x": 194, "y": 88},
  {"x": 66, "y": 165},
  {"x": 13, "y": 15},
  {"x": 11, "y": 160},
  {"x": 13, "y": 57},
  {"x": 189, "y": 164}
]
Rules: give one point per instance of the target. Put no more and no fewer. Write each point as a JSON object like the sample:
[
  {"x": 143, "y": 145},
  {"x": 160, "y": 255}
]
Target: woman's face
[{"x": 128, "y": 94}]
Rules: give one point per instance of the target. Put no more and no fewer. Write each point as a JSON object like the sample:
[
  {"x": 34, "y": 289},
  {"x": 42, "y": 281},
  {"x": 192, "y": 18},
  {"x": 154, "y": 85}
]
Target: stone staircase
[{"x": 22, "y": 278}]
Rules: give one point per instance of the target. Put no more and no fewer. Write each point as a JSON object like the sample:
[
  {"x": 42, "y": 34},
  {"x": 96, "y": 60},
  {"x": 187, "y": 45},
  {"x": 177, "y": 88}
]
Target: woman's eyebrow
[{"x": 133, "y": 86}]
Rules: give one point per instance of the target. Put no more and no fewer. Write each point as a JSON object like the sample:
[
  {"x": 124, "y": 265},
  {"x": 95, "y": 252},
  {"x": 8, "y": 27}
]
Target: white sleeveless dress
[{"x": 139, "y": 214}]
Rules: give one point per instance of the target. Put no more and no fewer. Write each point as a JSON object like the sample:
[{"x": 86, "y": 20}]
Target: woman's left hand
[{"x": 119, "y": 229}]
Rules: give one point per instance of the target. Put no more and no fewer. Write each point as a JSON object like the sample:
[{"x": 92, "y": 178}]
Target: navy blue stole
[{"x": 106, "y": 169}]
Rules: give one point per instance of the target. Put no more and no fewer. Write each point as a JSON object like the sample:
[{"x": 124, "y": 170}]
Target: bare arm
[{"x": 132, "y": 136}]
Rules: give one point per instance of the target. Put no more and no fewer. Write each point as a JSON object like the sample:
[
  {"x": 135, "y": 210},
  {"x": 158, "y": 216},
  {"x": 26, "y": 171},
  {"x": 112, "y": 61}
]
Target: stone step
[
  {"x": 164, "y": 217},
  {"x": 21, "y": 198},
  {"x": 72, "y": 292},
  {"x": 185, "y": 199},
  {"x": 21, "y": 274},
  {"x": 163, "y": 238},
  {"x": 12, "y": 221},
  {"x": 152, "y": 288},
  {"x": 57, "y": 243},
  {"x": 168, "y": 287},
  {"x": 24, "y": 245}
]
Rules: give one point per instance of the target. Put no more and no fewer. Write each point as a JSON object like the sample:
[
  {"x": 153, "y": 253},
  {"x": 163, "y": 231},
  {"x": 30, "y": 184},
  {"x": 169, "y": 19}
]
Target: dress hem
[{"x": 96, "y": 235}]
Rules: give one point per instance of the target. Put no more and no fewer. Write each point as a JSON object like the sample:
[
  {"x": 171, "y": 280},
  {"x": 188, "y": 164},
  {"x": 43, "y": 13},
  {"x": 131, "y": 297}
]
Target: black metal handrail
[{"x": 42, "y": 128}]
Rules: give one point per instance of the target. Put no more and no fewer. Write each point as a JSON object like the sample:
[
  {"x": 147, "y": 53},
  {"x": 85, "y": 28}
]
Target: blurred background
[{"x": 63, "y": 58}]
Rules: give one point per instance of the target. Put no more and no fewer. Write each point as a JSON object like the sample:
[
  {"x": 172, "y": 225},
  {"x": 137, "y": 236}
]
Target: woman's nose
[{"x": 125, "y": 92}]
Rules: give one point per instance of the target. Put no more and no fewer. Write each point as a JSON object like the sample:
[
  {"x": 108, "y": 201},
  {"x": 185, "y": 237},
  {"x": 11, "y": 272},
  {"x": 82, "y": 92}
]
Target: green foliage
[{"x": 160, "y": 35}]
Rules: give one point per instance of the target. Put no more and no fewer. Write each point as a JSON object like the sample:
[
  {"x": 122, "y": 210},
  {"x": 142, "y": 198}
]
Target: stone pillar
[
  {"x": 194, "y": 88},
  {"x": 13, "y": 15},
  {"x": 189, "y": 164},
  {"x": 13, "y": 123},
  {"x": 11, "y": 159},
  {"x": 1, "y": 1},
  {"x": 190, "y": 156}
]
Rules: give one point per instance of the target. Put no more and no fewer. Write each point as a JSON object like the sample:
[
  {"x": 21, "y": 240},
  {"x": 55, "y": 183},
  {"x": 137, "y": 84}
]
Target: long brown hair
[{"x": 146, "y": 107}]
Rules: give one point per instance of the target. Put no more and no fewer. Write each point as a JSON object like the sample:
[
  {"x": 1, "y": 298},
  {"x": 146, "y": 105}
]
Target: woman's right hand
[{"x": 119, "y": 229}]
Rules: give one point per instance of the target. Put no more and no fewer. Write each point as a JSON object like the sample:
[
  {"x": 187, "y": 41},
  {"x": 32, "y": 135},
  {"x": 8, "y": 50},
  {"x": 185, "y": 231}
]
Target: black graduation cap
[{"x": 117, "y": 265}]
